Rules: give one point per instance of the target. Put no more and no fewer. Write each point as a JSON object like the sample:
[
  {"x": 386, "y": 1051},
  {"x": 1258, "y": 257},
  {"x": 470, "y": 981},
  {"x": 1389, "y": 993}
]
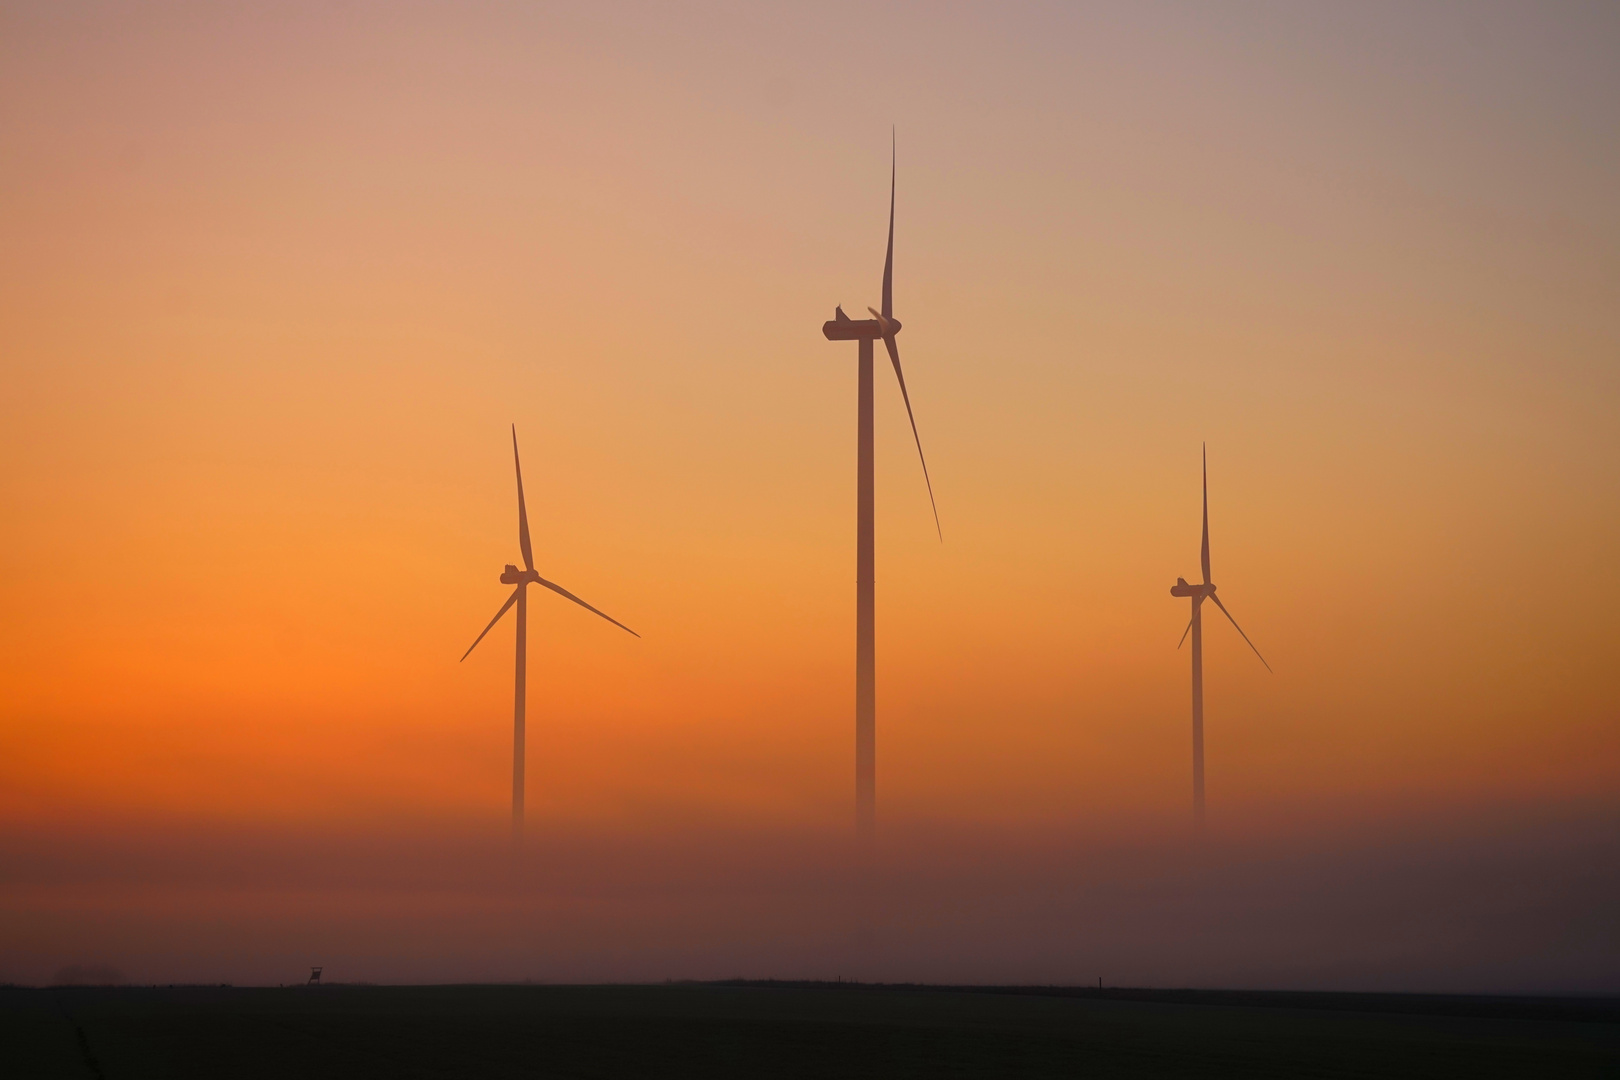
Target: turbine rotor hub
[{"x": 887, "y": 325}]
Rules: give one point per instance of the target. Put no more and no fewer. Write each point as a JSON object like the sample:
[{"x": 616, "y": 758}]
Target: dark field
[{"x": 792, "y": 1030}]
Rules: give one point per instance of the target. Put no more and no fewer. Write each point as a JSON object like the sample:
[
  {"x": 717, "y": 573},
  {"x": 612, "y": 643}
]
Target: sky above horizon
[{"x": 276, "y": 282}]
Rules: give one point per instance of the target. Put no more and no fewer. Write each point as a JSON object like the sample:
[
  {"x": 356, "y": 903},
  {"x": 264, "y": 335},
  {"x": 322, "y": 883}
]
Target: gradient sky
[{"x": 274, "y": 281}]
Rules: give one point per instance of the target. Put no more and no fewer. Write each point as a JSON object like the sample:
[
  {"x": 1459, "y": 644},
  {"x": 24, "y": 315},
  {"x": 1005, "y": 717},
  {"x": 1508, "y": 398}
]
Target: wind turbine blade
[
  {"x": 1184, "y": 634},
  {"x": 1203, "y": 557},
  {"x": 894, "y": 357},
  {"x": 1233, "y": 621},
  {"x": 888, "y": 259},
  {"x": 523, "y": 512},
  {"x": 560, "y": 591},
  {"x": 510, "y": 600}
]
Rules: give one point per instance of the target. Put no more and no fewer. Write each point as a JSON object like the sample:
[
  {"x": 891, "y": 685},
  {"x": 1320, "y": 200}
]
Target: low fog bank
[{"x": 1502, "y": 902}]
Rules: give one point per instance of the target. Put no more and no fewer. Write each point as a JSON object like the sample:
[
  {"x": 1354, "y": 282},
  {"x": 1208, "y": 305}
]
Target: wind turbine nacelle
[
  {"x": 853, "y": 329},
  {"x": 1181, "y": 588},
  {"x": 511, "y": 575}
]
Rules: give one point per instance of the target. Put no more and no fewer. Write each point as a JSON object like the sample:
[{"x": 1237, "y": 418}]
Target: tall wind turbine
[
  {"x": 1200, "y": 593},
  {"x": 882, "y": 325},
  {"x": 511, "y": 575}
]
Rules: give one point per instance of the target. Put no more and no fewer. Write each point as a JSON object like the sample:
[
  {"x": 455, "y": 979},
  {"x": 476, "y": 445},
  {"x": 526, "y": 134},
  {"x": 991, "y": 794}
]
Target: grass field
[{"x": 791, "y": 1030}]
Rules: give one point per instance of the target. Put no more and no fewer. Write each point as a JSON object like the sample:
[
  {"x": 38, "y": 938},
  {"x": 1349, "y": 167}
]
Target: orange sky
[{"x": 274, "y": 283}]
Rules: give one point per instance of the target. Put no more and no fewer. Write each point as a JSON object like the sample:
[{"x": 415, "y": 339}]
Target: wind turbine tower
[
  {"x": 883, "y": 325},
  {"x": 522, "y": 579},
  {"x": 1195, "y": 627}
]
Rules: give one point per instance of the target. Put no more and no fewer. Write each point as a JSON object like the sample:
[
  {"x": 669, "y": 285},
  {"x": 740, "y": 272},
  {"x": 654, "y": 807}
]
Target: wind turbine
[
  {"x": 1199, "y": 593},
  {"x": 882, "y": 325},
  {"x": 511, "y": 575}
]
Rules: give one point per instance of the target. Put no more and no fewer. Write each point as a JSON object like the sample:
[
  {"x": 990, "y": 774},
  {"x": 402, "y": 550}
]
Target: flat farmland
[{"x": 792, "y": 1030}]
